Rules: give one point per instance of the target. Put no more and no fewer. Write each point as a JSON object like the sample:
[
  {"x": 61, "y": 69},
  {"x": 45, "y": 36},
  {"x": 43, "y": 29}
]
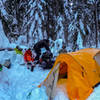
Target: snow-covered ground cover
[
  {"x": 4, "y": 42},
  {"x": 19, "y": 83},
  {"x": 96, "y": 94}
]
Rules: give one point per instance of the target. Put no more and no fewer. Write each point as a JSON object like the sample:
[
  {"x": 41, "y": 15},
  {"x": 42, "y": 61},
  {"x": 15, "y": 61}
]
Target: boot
[{"x": 32, "y": 68}]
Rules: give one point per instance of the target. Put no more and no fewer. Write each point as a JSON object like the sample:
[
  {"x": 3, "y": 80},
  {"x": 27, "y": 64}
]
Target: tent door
[
  {"x": 51, "y": 82},
  {"x": 63, "y": 72}
]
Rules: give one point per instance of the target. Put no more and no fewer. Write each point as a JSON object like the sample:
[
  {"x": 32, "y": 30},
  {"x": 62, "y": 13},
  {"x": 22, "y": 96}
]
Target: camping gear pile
[
  {"x": 33, "y": 56},
  {"x": 76, "y": 73},
  {"x": 46, "y": 60},
  {"x": 6, "y": 64}
]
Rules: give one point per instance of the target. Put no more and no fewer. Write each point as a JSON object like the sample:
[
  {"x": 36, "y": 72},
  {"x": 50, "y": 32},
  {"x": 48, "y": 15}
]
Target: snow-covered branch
[{"x": 4, "y": 15}]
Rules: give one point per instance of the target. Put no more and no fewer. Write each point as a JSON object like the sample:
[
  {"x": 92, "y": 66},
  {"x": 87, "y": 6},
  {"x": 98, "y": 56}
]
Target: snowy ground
[{"x": 19, "y": 83}]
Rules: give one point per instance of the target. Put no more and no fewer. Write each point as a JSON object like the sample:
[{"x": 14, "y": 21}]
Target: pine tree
[{"x": 66, "y": 19}]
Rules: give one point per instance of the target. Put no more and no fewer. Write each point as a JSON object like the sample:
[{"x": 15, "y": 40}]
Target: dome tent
[{"x": 78, "y": 72}]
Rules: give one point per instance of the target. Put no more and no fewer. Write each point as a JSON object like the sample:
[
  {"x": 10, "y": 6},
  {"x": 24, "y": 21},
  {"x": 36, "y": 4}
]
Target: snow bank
[
  {"x": 4, "y": 42},
  {"x": 60, "y": 95},
  {"x": 39, "y": 94},
  {"x": 19, "y": 83},
  {"x": 96, "y": 94},
  {"x": 57, "y": 46}
]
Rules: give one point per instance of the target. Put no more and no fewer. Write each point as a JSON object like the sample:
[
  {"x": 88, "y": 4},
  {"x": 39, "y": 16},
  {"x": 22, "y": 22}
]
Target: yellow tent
[{"x": 78, "y": 72}]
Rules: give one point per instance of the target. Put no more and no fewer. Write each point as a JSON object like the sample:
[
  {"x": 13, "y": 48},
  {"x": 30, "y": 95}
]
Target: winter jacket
[
  {"x": 28, "y": 56},
  {"x": 41, "y": 44}
]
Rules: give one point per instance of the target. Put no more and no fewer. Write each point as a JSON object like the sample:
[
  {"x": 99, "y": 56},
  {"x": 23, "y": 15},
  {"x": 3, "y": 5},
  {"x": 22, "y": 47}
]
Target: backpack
[
  {"x": 47, "y": 62},
  {"x": 47, "y": 56}
]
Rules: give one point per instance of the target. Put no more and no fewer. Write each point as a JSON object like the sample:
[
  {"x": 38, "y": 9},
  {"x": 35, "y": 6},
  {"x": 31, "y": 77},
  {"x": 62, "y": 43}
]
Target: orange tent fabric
[{"x": 82, "y": 71}]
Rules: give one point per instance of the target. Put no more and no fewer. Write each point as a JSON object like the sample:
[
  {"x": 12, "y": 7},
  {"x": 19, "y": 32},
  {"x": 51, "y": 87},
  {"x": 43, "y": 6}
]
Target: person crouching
[{"x": 29, "y": 59}]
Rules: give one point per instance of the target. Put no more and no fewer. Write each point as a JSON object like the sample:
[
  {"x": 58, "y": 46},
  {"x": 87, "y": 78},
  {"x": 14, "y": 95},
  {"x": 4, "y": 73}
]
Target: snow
[
  {"x": 76, "y": 15},
  {"x": 16, "y": 83},
  {"x": 57, "y": 46},
  {"x": 19, "y": 83},
  {"x": 82, "y": 27},
  {"x": 91, "y": 1},
  {"x": 2, "y": 9},
  {"x": 43, "y": 1},
  {"x": 79, "y": 41},
  {"x": 4, "y": 42},
  {"x": 60, "y": 95},
  {"x": 60, "y": 32},
  {"x": 96, "y": 94},
  {"x": 89, "y": 29},
  {"x": 21, "y": 40}
]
